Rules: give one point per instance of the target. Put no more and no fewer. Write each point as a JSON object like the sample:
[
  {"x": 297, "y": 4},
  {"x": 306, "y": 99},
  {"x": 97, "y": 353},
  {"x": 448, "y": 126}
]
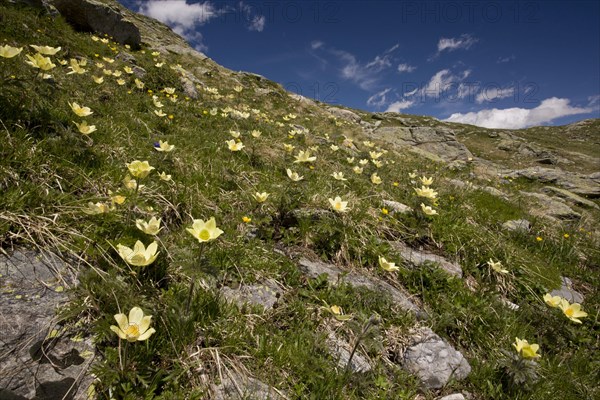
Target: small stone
[
  {"x": 517, "y": 225},
  {"x": 567, "y": 292},
  {"x": 397, "y": 207},
  {"x": 236, "y": 386},
  {"x": 340, "y": 350},
  {"x": 419, "y": 258},
  {"x": 454, "y": 396}
]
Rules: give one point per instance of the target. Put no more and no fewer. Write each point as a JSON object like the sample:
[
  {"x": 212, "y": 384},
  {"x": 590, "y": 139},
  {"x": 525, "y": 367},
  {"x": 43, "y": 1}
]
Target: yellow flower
[
  {"x": 155, "y": 53},
  {"x": 333, "y": 147},
  {"x": 363, "y": 162},
  {"x": 375, "y": 179},
  {"x": 107, "y": 72},
  {"x": 288, "y": 147},
  {"x": 130, "y": 183},
  {"x": 260, "y": 197},
  {"x": 338, "y": 314},
  {"x": 375, "y": 155},
  {"x": 151, "y": 227},
  {"x": 121, "y": 82},
  {"x": 238, "y": 88},
  {"x": 553, "y": 301},
  {"x": 304, "y": 156},
  {"x": 525, "y": 349},
  {"x": 160, "y": 113},
  {"x": 159, "y": 65},
  {"x": 294, "y": 175},
  {"x": 98, "y": 208},
  {"x": 108, "y": 60},
  {"x": 134, "y": 328},
  {"x": 338, "y": 205},
  {"x": 118, "y": 199},
  {"x": 357, "y": 170},
  {"x": 164, "y": 146},
  {"x": 377, "y": 163},
  {"x": 98, "y": 79},
  {"x": 368, "y": 143},
  {"x": 234, "y": 146},
  {"x": 426, "y": 192},
  {"x": 128, "y": 70},
  {"x": 169, "y": 90},
  {"x": 234, "y": 134},
  {"x": 566, "y": 235},
  {"x": 386, "y": 265},
  {"x": 539, "y": 239},
  {"x": 7, "y": 51},
  {"x": 76, "y": 68},
  {"x": 84, "y": 128},
  {"x": 246, "y": 219},
  {"x": 205, "y": 231},
  {"x": 396, "y": 184},
  {"x": 256, "y": 133},
  {"x": 497, "y": 266},
  {"x": 572, "y": 311},
  {"x": 339, "y": 176},
  {"x": 139, "y": 169},
  {"x": 157, "y": 102},
  {"x": 427, "y": 210},
  {"x": 139, "y": 256},
  {"x": 39, "y": 61},
  {"x": 139, "y": 84},
  {"x": 385, "y": 211},
  {"x": 164, "y": 177},
  {"x": 80, "y": 111},
  {"x": 46, "y": 50},
  {"x": 426, "y": 181},
  {"x": 350, "y": 160}
]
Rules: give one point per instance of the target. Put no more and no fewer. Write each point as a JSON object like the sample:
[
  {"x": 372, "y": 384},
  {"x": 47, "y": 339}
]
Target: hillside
[{"x": 284, "y": 248}]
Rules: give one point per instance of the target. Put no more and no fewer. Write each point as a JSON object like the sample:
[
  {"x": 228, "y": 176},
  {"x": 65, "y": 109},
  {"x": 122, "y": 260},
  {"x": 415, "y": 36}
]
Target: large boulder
[
  {"x": 95, "y": 16},
  {"x": 583, "y": 185}
]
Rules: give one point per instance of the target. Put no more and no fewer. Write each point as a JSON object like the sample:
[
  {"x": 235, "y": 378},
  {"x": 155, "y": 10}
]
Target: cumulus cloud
[
  {"x": 379, "y": 99},
  {"x": 517, "y": 118},
  {"x": 450, "y": 44},
  {"x": 494, "y": 93},
  {"x": 397, "y": 106},
  {"x": 182, "y": 17},
  {"x": 406, "y": 68}
]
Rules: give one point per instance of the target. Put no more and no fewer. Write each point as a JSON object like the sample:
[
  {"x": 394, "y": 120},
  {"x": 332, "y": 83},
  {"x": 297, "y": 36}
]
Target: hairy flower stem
[
  {"x": 191, "y": 292},
  {"x": 359, "y": 338}
]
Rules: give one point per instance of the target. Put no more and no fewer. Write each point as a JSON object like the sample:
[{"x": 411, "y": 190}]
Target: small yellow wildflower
[
  {"x": 205, "y": 231},
  {"x": 134, "y": 328}
]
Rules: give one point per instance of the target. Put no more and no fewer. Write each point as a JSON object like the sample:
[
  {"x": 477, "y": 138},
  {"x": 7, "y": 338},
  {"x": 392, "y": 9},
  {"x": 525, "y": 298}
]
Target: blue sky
[{"x": 505, "y": 64}]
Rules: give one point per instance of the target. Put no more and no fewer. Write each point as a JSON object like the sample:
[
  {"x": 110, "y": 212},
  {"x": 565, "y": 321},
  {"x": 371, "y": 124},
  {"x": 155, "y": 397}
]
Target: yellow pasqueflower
[
  {"x": 288, "y": 147},
  {"x": 139, "y": 84},
  {"x": 118, "y": 199},
  {"x": 426, "y": 192},
  {"x": 46, "y": 50},
  {"x": 525, "y": 349},
  {"x": 338, "y": 205},
  {"x": 338, "y": 313},
  {"x": 427, "y": 210},
  {"x": 7, "y": 51},
  {"x": 98, "y": 79},
  {"x": 377, "y": 163},
  {"x": 163, "y": 146},
  {"x": 497, "y": 266},
  {"x": 304, "y": 156},
  {"x": 368, "y": 143},
  {"x": 339, "y": 176},
  {"x": 387, "y": 265},
  {"x": 97, "y": 208},
  {"x": 139, "y": 256},
  {"x": 235, "y": 134},
  {"x": 357, "y": 170},
  {"x": 363, "y": 162},
  {"x": 160, "y": 113},
  {"x": 80, "y": 111},
  {"x": 205, "y": 231},
  {"x": 234, "y": 146},
  {"x": 294, "y": 175},
  {"x": 39, "y": 61},
  {"x": 375, "y": 179},
  {"x": 256, "y": 133},
  {"x": 84, "y": 128},
  {"x": 260, "y": 197},
  {"x": 164, "y": 177},
  {"x": 134, "y": 328},
  {"x": 375, "y": 155},
  {"x": 151, "y": 227},
  {"x": 553, "y": 301},
  {"x": 572, "y": 311},
  {"x": 426, "y": 181},
  {"x": 121, "y": 82},
  {"x": 412, "y": 175},
  {"x": 76, "y": 68},
  {"x": 333, "y": 147},
  {"x": 139, "y": 169},
  {"x": 350, "y": 160},
  {"x": 128, "y": 70},
  {"x": 130, "y": 183}
]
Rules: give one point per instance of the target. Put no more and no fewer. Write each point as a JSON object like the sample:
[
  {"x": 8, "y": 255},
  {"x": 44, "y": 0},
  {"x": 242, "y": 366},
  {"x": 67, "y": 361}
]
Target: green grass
[{"x": 49, "y": 172}]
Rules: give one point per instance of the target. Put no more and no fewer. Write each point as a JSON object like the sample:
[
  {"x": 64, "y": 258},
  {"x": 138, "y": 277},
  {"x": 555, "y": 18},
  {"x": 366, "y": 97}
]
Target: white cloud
[
  {"x": 506, "y": 59},
  {"x": 379, "y": 63},
  {"x": 517, "y": 118},
  {"x": 406, "y": 68},
  {"x": 258, "y": 23},
  {"x": 463, "y": 42},
  {"x": 379, "y": 99},
  {"x": 316, "y": 44},
  {"x": 493, "y": 93},
  {"x": 594, "y": 100},
  {"x": 397, "y": 106},
  {"x": 183, "y": 18},
  {"x": 391, "y": 49}
]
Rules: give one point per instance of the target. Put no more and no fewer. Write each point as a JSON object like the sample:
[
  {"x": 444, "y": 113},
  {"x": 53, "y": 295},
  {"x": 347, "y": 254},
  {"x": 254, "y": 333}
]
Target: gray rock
[
  {"x": 567, "y": 292},
  {"x": 433, "y": 360},
  {"x": 340, "y": 350},
  {"x": 139, "y": 71},
  {"x": 265, "y": 295},
  {"x": 436, "y": 143},
  {"x": 344, "y": 114},
  {"x": 336, "y": 276},
  {"x": 95, "y": 16},
  {"x": 517, "y": 225},
  {"x": 419, "y": 258},
  {"x": 301, "y": 99},
  {"x": 454, "y": 396},
  {"x": 33, "y": 360},
  {"x": 397, "y": 207},
  {"x": 237, "y": 386},
  {"x": 579, "y": 184},
  {"x": 570, "y": 197},
  {"x": 550, "y": 208}
]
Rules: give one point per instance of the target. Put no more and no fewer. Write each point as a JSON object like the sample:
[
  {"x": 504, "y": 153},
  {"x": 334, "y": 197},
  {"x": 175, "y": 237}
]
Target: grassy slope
[{"x": 49, "y": 172}]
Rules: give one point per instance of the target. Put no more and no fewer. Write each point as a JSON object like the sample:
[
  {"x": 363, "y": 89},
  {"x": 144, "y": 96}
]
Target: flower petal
[
  {"x": 146, "y": 334},
  {"x": 122, "y": 321},
  {"x": 135, "y": 315}
]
